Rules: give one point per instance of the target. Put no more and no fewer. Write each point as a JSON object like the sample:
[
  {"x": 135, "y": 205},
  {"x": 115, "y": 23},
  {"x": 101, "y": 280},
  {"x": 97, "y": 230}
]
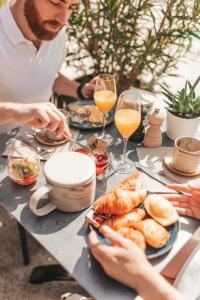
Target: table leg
[
  {"x": 39, "y": 274},
  {"x": 24, "y": 244}
]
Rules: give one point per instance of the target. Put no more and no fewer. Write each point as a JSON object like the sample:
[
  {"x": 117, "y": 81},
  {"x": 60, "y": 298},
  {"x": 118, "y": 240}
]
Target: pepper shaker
[{"x": 153, "y": 136}]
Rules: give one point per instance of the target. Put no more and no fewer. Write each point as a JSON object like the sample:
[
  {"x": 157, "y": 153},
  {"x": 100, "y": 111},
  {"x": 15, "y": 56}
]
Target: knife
[
  {"x": 152, "y": 174},
  {"x": 156, "y": 177}
]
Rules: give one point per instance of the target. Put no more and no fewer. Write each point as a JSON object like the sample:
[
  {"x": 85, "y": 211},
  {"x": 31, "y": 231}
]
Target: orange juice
[
  {"x": 127, "y": 121},
  {"x": 105, "y": 100}
]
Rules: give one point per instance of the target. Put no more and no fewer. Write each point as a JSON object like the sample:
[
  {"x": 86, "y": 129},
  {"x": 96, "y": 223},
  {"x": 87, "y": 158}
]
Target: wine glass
[
  {"x": 127, "y": 120},
  {"x": 105, "y": 95}
]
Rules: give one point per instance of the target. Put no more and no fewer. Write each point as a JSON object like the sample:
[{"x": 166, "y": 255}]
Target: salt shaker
[{"x": 153, "y": 136}]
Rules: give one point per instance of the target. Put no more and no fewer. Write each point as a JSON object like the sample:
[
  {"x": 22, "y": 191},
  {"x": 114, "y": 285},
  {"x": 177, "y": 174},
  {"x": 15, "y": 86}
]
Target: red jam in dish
[
  {"x": 102, "y": 160},
  {"x": 98, "y": 218}
]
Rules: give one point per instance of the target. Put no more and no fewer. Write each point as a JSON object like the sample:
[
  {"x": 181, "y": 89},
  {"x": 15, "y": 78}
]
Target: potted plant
[
  {"x": 138, "y": 41},
  {"x": 183, "y": 111}
]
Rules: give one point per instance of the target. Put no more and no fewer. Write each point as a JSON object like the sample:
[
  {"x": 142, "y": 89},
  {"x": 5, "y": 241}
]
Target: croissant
[
  {"x": 128, "y": 220},
  {"x": 155, "y": 234},
  {"x": 105, "y": 203},
  {"x": 133, "y": 235},
  {"x": 118, "y": 202}
]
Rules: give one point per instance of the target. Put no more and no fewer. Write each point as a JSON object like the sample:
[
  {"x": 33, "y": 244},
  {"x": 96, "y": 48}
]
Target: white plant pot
[{"x": 177, "y": 126}]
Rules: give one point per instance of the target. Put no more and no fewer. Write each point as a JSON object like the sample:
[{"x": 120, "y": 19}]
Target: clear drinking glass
[
  {"x": 105, "y": 95},
  {"x": 23, "y": 165},
  {"x": 127, "y": 120}
]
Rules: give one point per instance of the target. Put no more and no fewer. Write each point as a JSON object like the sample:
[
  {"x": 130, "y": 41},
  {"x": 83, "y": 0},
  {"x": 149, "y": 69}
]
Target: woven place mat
[{"x": 25, "y": 150}]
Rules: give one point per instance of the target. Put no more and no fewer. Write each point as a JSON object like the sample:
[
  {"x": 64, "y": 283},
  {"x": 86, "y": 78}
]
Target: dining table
[{"x": 65, "y": 235}]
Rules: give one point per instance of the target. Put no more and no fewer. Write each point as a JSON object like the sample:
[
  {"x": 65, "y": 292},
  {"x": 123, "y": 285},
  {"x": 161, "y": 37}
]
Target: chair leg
[
  {"x": 48, "y": 273},
  {"x": 24, "y": 244}
]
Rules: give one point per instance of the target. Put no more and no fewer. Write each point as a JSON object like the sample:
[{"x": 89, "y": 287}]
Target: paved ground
[{"x": 14, "y": 276}]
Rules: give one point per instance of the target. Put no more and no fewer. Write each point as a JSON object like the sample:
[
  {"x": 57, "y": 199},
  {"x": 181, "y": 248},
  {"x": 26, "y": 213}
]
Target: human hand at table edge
[
  {"x": 88, "y": 89},
  {"x": 125, "y": 262},
  {"x": 187, "y": 203},
  {"x": 37, "y": 115}
]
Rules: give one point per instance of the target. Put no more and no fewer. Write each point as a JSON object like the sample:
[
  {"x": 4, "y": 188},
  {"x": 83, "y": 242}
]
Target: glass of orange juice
[
  {"x": 127, "y": 120},
  {"x": 105, "y": 95}
]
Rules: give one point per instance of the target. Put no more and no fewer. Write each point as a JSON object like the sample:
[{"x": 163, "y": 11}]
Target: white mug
[
  {"x": 186, "y": 154},
  {"x": 71, "y": 184}
]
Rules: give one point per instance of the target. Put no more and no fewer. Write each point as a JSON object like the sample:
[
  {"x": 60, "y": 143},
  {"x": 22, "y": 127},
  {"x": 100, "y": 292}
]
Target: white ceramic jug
[{"x": 71, "y": 184}]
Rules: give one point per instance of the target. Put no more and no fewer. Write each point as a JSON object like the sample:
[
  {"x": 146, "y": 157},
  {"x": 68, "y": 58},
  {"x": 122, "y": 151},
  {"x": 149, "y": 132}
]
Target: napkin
[
  {"x": 156, "y": 155},
  {"x": 15, "y": 146},
  {"x": 188, "y": 281}
]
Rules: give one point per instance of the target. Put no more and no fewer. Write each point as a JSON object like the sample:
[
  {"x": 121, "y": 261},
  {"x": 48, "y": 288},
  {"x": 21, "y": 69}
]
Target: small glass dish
[
  {"x": 102, "y": 161},
  {"x": 23, "y": 169}
]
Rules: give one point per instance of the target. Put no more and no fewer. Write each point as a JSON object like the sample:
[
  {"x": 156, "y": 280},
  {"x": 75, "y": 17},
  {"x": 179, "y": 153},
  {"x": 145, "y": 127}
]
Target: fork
[
  {"x": 155, "y": 169},
  {"x": 45, "y": 154}
]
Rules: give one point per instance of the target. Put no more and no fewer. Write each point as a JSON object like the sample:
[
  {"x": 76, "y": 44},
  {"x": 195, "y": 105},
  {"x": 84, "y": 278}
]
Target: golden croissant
[
  {"x": 118, "y": 202},
  {"x": 127, "y": 220},
  {"x": 133, "y": 235},
  {"x": 127, "y": 195}
]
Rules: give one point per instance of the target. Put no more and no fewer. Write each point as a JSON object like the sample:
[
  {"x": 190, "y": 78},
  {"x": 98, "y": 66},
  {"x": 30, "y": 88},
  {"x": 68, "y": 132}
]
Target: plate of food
[
  {"x": 48, "y": 138},
  {"x": 86, "y": 115},
  {"x": 150, "y": 221}
]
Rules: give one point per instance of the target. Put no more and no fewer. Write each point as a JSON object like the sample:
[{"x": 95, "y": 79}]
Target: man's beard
[{"x": 36, "y": 25}]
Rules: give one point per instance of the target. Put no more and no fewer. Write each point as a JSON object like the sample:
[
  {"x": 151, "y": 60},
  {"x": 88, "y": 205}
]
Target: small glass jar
[
  {"x": 23, "y": 165},
  {"x": 101, "y": 160}
]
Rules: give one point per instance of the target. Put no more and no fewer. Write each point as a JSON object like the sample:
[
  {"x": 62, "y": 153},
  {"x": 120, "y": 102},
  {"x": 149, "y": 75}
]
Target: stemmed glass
[
  {"x": 127, "y": 120},
  {"x": 105, "y": 95}
]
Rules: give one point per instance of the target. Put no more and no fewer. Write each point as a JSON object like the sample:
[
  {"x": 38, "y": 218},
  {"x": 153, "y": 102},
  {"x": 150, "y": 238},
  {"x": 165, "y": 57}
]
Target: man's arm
[
  {"x": 38, "y": 115},
  {"x": 6, "y": 113},
  {"x": 64, "y": 86}
]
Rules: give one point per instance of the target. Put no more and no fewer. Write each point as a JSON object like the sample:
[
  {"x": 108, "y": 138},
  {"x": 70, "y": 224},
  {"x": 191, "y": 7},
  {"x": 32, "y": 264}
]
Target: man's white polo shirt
[{"x": 26, "y": 75}]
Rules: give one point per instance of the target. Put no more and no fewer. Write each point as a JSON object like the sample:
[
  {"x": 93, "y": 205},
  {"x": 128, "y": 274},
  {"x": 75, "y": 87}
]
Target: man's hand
[
  {"x": 187, "y": 204},
  {"x": 41, "y": 115},
  {"x": 88, "y": 89}
]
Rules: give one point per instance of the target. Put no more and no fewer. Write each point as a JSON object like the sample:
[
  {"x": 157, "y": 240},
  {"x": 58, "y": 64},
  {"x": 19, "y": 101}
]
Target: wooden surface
[{"x": 64, "y": 235}]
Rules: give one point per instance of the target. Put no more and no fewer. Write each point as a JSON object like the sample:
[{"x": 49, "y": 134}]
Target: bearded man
[{"x": 32, "y": 49}]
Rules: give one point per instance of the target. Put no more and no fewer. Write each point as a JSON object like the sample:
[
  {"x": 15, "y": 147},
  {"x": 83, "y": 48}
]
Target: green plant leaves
[
  {"x": 134, "y": 37},
  {"x": 185, "y": 103}
]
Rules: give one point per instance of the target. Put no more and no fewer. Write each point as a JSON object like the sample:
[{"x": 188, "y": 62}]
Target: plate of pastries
[
  {"x": 86, "y": 115},
  {"x": 149, "y": 220}
]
